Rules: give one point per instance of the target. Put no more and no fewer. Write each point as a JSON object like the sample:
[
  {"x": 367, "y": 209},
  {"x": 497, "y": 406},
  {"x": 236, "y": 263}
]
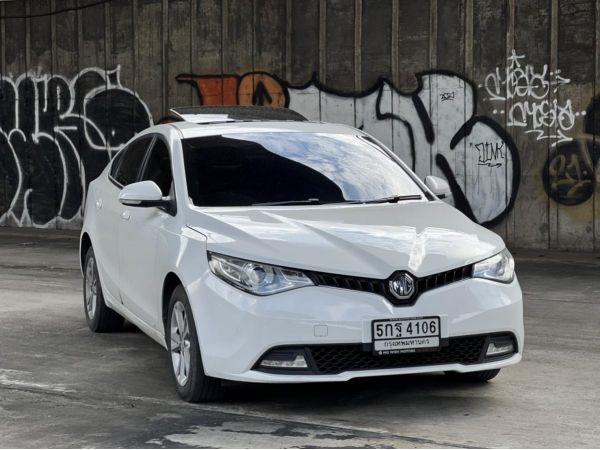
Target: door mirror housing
[
  {"x": 438, "y": 186},
  {"x": 143, "y": 194},
  {"x": 146, "y": 194}
]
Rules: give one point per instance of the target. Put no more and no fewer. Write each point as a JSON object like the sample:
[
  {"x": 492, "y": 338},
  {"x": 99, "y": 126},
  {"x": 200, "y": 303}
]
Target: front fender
[{"x": 183, "y": 254}]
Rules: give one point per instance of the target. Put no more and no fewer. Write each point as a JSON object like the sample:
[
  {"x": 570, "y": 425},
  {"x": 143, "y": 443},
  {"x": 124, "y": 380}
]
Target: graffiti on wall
[
  {"x": 57, "y": 134},
  {"x": 570, "y": 173},
  {"x": 531, "y": 99},
  {"x": 254, "y": 88},
  {"x": 434, "y": 129},
  {"x": 530, "y": 96}
]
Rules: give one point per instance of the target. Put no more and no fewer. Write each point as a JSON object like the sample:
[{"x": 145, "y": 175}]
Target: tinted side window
[
  {"x": 131, "y": 160},
  {"x": 158, "y": 168},
  {"x": 115, "y": 164}
]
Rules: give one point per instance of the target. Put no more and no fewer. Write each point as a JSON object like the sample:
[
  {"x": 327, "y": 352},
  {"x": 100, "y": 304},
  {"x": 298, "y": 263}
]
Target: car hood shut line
[{"x": 360, "y": 240}]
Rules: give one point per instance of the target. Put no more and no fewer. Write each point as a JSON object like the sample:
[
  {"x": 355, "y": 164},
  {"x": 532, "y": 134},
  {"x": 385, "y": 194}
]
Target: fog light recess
[
  {"x": 500, "y": 347},
  {"x": 284, "y": 359}
]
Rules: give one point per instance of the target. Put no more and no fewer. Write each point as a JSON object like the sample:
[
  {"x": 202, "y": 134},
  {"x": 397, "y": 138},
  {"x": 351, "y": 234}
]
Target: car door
[
  {"x": 124, "y": 170},
  {"x": 139, "y": 231}
]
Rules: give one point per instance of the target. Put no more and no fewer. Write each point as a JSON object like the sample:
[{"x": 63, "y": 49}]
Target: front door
[
  {"x": 139, "y": 232},
  {"x": 124, "y": 170}
]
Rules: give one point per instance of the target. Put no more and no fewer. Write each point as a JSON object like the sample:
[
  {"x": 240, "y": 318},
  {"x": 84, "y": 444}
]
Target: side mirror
[
  {"x": 142, "y": 194},
  {"x": 438, "y": 186}
]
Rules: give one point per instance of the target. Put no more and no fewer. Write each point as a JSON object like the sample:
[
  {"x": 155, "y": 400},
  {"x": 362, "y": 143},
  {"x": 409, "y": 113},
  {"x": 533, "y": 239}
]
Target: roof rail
[{"x": 220, "y": 114}]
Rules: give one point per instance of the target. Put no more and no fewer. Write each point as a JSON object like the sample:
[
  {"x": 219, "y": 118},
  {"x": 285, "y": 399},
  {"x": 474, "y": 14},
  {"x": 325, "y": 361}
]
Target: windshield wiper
[
  {"x": 394, "y": 199},
  {"x": 316, "y": 201},
  {"x": 308, "y": 201}
]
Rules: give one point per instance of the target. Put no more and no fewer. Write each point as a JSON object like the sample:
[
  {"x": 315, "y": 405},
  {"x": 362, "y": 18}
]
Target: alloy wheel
[
  {"x": 180, "y": 343},
  {"x": 91, "y": 288}
]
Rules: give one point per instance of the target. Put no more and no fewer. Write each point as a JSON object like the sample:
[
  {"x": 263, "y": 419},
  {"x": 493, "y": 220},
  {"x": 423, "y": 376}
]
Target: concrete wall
[{"x": 497, "y": 96}]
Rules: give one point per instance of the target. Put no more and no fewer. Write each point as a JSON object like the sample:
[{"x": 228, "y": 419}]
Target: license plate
[{"x": 406, "y": 335}]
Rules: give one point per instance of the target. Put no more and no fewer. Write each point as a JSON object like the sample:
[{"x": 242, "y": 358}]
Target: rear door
[
  {"x": 125, "y": 169},
  {"x": 139, "y": 232}
]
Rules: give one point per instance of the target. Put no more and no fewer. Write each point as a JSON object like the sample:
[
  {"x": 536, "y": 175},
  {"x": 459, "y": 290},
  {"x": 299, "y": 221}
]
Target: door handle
[
  {"x": 99, "y": 203},
  {"x": 125, "y": 215}
]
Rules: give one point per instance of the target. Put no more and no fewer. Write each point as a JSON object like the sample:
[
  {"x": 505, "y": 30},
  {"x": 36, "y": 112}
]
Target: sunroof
[{"x": 219, "y": 114}]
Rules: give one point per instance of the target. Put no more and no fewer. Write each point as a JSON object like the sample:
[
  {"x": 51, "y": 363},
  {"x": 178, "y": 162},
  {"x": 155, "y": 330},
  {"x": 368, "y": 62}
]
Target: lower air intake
[{"x": 332, "y": 359}]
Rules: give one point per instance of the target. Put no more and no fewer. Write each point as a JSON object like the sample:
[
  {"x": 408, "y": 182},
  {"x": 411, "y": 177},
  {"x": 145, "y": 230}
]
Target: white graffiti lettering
[
  {"x": 528, "y": 92},
  {"x": 56, "y": 135}
]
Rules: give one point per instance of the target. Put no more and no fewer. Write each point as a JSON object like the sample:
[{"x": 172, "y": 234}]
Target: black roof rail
[{"x": 219, "y": 114}]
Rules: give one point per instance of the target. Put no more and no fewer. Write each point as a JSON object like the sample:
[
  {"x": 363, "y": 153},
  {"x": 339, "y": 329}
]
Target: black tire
[
  {"x": 482, "y": 376},
  {"x": 100, "y": 318},
  {"x": 197, "y": 386}
]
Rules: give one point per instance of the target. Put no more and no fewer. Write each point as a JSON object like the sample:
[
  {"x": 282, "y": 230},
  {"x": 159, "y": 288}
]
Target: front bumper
[{"x": 236, "y": 329}]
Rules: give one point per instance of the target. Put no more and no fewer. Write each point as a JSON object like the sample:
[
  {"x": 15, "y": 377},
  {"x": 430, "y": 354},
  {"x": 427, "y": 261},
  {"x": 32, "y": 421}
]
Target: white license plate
[{"x": 406, "y": 335}]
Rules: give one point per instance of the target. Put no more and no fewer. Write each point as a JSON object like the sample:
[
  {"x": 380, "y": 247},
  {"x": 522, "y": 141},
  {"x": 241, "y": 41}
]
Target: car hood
[{"x": 360, "y": 240}]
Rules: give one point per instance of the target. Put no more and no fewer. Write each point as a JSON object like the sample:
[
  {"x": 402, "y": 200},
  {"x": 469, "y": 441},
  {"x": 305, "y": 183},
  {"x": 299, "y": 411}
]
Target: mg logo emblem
[{"x": 402, "y": 286}]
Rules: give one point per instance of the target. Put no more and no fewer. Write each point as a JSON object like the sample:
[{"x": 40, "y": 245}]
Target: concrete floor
[{"x": 62, "y": 386}]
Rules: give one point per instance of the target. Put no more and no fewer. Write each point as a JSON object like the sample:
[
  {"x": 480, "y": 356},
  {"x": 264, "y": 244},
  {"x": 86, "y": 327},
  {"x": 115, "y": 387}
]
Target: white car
[{"x": 289, "y": 251}]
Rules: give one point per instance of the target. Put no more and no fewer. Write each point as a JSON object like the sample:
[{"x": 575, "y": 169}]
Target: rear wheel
[
  {"x": 100, "y": 318},
  {"x": 481, "y": 376},
  {"x": 193, "y": 385}
]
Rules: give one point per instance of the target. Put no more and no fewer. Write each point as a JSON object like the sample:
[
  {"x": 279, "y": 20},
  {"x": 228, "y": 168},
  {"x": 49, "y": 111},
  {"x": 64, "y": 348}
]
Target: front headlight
[
  {"x": 256, "y": 278},
  {"x": 500, "y": 267}
]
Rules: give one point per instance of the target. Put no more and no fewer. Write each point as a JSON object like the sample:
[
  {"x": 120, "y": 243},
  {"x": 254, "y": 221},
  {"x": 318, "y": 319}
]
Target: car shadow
[{"x": 403, "y": 391}]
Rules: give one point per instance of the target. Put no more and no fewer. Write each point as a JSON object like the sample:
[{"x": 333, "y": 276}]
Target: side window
[
  {"x": 158, "y": 167},
  {"x": 131, "y": 160},
  {"x": 115, "y": 163}
]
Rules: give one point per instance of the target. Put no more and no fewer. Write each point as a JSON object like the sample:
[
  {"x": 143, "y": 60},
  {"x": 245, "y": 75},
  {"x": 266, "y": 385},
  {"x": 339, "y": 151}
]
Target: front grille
[
  {"x": 333, "y": 359},
  {"x": 381, "y": 287},
  {"x": 442, "y": 279},
  {"x": 345, "y": 282}
]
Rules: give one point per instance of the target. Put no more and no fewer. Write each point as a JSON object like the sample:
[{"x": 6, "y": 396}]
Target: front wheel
[
  {"x": 481, "y": 376},
  {"x": 193, "y": 385},
  {"x": 100, "y": 318}
]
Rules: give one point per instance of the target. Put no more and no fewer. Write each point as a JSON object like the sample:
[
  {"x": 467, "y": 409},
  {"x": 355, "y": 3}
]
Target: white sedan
[{"x": 288, "y": 251}]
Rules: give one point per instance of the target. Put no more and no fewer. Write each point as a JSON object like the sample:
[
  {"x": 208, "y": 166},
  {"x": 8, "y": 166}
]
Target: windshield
[{"x": 242, "y": 169}]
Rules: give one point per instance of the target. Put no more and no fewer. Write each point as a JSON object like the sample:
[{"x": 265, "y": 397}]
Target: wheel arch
[
  {"x": 84, "y": 245},
  {"x": 171, "y": 281}
]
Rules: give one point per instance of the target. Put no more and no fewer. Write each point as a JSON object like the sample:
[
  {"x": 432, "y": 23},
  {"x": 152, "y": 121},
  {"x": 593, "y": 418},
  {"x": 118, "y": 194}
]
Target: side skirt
[{"x": 127, "y": 314}]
